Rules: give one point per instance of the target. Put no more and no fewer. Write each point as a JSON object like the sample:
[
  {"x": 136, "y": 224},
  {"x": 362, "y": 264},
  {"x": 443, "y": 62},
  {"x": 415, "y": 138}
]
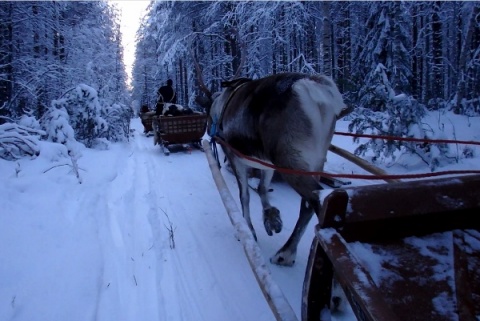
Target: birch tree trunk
[{"x": 327, "y": 40}]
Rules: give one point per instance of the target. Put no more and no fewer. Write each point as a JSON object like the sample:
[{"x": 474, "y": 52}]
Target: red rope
[
  {"x": 409, "y": 139},
  {"x": 352, "y": 176}
]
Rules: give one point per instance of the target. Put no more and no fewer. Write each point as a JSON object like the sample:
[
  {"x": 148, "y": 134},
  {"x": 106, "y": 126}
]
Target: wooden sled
[
  {"x": 179, "y": 130},
  {"x": 424, "y": 237}
]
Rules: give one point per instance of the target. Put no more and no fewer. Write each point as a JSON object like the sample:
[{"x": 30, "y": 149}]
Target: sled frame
[
  {"x": 179, "y": 130},
  {"x": 382, "y": 216}
]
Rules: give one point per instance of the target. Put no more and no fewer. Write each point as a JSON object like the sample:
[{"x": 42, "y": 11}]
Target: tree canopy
[
  {"x": 52, "y": 49},
  {"x": 431, "y": 50},
  {"x": 388, "y": 58}
]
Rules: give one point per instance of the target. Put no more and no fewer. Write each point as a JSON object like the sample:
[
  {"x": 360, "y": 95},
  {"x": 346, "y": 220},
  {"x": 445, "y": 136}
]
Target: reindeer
[{"x": 287, "y": 120}]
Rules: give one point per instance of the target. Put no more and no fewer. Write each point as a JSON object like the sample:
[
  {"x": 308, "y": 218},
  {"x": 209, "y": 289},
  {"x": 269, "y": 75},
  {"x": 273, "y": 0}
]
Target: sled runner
[
  {"x": 401, "y": 251},
  {"x": 179, "y": 130}
]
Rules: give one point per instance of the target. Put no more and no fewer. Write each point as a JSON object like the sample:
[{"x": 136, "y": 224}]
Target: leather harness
[{"x": 216, "y": 127}]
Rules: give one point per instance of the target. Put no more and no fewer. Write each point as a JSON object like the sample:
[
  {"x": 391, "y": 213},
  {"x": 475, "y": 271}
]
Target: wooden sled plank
[
  {"x": 365, "y": 298},
  {"x": 391, "y": 221},
  {"x": 403, "y": 209},
  {"x": 317, "y": 286},
  {"x": 465, "y": 304}
]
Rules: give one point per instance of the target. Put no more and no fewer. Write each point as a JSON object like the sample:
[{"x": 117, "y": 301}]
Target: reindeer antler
[
  {"x": 201, "y": 82},
  {"x": 243, "y": 53}
]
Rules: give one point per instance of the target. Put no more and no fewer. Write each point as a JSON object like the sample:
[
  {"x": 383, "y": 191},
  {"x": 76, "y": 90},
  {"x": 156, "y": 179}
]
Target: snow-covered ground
[{"x": 103, "y": 249}]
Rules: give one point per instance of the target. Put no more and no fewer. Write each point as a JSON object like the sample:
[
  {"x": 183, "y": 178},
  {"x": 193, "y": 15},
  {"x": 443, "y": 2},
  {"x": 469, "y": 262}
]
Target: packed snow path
[
  {"x": 102, "y": 250},
  {"x": 154, "y": 201},
  {"x": 206, "y": 275}
]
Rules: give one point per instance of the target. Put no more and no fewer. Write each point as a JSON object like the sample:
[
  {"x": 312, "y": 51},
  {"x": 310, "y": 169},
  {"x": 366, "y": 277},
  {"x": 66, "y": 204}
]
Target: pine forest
[{"x": 63, "y": 79}]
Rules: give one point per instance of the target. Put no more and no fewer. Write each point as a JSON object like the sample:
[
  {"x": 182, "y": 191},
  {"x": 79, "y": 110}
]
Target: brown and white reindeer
[{"x": 287, "y": 120}]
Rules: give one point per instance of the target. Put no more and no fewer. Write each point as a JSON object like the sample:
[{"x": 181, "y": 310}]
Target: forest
[
  {"x": 62, "y": 76},
  {"x": 393, "y": 61},
  {"x": 429, "y": 50}
]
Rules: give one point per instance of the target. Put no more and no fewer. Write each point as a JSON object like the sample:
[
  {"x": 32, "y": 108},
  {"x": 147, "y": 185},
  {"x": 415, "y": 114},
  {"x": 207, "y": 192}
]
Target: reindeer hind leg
[
  {"x": 271, "y": 215},
  {"x": 241, "y": 174},
  {"x": 309, "y": 204}
]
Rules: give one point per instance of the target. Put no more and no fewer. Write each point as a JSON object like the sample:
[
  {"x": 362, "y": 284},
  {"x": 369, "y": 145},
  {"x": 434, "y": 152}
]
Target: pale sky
[{"x": 132, "y": 11}]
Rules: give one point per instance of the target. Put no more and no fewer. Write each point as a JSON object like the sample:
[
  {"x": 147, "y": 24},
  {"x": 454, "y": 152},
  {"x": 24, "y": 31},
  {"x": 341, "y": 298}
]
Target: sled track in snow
[{"x": 193, "y": 281}]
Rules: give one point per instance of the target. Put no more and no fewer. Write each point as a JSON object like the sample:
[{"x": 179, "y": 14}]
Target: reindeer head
[
  {"x": 213, "y": 107},
  {"x": 212, "y": 102},
  {"x": 204, "y": 102},
  {"x": 219, "y": 101}
]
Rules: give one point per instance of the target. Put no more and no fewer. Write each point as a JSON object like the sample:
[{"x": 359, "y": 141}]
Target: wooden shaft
[
  {"x": 273, "y": 294},
  {"x": 361, "y": 162}
]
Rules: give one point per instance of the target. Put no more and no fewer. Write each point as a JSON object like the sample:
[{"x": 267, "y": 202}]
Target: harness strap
[
  {"x": 216, "y": 126},
  {"x": 213, "y": 145}
]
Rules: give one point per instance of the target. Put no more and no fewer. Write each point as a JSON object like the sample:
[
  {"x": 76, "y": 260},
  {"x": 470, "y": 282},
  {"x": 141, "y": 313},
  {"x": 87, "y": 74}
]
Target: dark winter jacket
[{"x": 168, "y": 94}]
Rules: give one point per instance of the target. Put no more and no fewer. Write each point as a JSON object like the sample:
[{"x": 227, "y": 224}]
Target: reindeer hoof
[
  {"x": 283, "y": 259},
  {"x": 272, "y": 220}
]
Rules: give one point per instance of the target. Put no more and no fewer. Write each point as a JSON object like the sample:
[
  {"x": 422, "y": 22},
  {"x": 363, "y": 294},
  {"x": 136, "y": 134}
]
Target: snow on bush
[
  {"x": 118, "y": 117},
  {"x": 53, "y": 152},
  {"x": 84, "y": 110},
  {"x": 77, "y": 118},
  {"x": 387, "y": 114},
  {"x": 17, "y": 141},
  {"x": 57, "y": 125},
  {"x": 468, "y": 107},
  {"x": 30, "y": 122}
]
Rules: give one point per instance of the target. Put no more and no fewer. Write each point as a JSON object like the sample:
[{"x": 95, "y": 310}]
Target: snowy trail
[
  {"x": 126, "y": 237},
  {"x": 102, "y": 248},
  {"x": 205, "y": 277}
]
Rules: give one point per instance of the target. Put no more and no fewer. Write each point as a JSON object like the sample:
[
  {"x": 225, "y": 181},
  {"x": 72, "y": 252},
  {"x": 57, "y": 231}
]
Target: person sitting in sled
[{"x": 166, "y": 94}]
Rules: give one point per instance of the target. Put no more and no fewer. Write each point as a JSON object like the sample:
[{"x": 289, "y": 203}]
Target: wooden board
[{"x": 424, "y": 236}]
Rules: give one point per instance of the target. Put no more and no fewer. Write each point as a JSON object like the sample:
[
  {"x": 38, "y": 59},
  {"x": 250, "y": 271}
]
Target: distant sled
[{"x": 179, "y": 130}]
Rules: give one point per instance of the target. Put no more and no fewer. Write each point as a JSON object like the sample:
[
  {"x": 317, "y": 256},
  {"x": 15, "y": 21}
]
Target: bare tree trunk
[
  {"x": 416, "y": 57},
  {"x": 426, "y": 66},
  {"x": 180, "y": 84},
  {"x": 462, "y": 63},
  {"x": 6, "y": 37},
  {"x": 327, "y": 40},
  {"x": 437, "y": 63}
]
